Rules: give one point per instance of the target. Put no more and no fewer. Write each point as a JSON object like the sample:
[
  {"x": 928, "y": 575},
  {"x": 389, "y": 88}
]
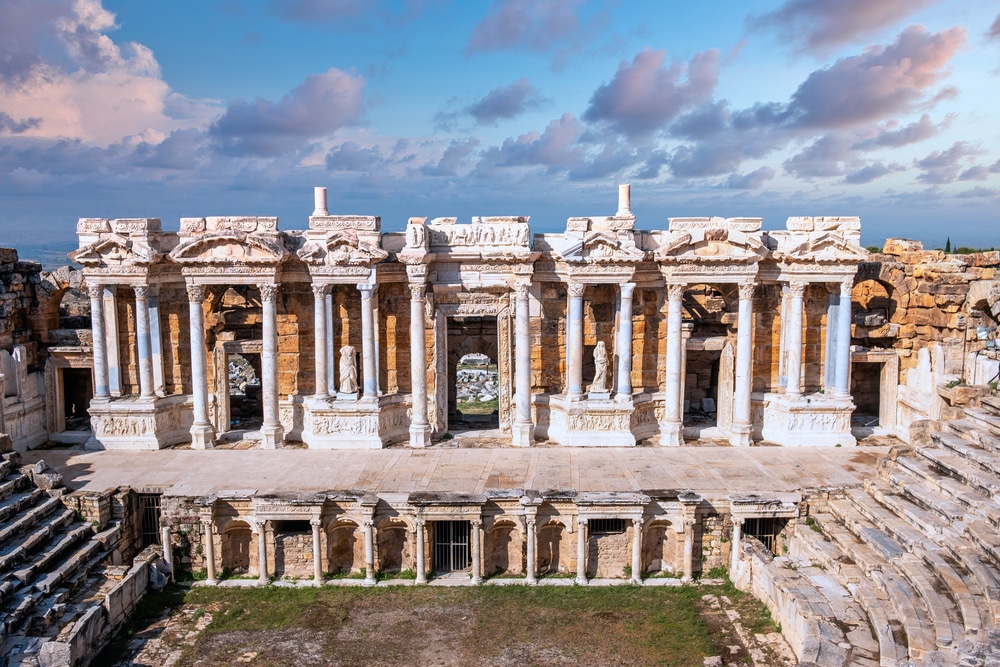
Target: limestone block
[
  {"x": 6, "y": 444},
  {"x": 901, "y": 246},
  {"x": 800, "y": 224}
]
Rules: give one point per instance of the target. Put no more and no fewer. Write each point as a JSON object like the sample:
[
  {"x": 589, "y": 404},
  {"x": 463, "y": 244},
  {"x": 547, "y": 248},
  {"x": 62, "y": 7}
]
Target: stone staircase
[
  {"x": 50, "y": 562},
  {"x": 917, "y": 549}
]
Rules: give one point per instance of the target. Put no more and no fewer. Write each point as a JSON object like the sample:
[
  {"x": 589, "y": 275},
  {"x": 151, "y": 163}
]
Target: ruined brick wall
[
  {"x": 175, "y": 329},
  {"x": 291, "y": 553},
  {"x": 19, "y": 303},
  {"x": 548, "y": 358},
  {"x": 394, "y": 338},
  {"x": 649, "y": 339},
  {"x": 296, "y": 340}
]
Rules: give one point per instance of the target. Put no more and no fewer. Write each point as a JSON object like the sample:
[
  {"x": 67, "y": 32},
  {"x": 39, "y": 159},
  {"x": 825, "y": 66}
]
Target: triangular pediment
[
  {"x": 114, "y": 250},
  {"x": 712, "y": 245},
  {"x": 826, "y": 248},
  {"x": 602, "y": 247},
  {"x": 229, "y": 248}
]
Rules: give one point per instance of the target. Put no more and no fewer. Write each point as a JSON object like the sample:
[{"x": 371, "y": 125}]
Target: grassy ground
[{"x": 488, "y": 626}]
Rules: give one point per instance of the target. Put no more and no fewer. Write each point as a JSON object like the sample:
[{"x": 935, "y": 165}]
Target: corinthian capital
[
  {"x": 576, "y": 290},
  {"x": 196, "y": 293},
  {"x": 747, "y": 290},
  {"x": 268, "y": 291},
  {"x": 675, "y": 291}
]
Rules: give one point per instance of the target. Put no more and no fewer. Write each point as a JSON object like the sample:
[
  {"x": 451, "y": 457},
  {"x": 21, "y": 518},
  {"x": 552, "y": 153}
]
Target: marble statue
[
  {"x": 600, "y": 384},
  {"x": 348, "y": 370}
]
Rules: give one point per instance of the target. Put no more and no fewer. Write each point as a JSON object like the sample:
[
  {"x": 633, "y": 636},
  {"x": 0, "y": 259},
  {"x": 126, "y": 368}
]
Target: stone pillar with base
[
  {"x": 624, "y": 343},
  {"x": 369, "y": 527},
  {"x": 262, "y": 575},
  {"x": 574, "y": 342},
  {"x": 688, "y": 549},
  {"x": 737, "y": 538},
  {"x": 843, "y": 356},
  {"x": 529, "y": 564},
  {"x": 320, "y": 343},
  {"x": 370, "y": 379},
  {"x": 832, "y": 327},
  {"x": 144, "y": 344},
  {"x": 101, "y": 391},
  {"x": 581, "y": 551},
  {"x": 420, "y": 430},
  {"x": 271, "y": 430},
  {"x": 637, "y": 550},
  {"x": 476, "y": 526},
  {"x": 317, "y": 551},
  {"x": 421, "y": 556},
  {"x": 523, "y": 431},
  {"x": 168, "y": 548},
  {"x": 210, "y": 578},
  {"x": 796, "y": 290},
  {"x": 741, "y": 429},
  {"x": 672, "y": 428},
  {"x": 202, "y": 433}
]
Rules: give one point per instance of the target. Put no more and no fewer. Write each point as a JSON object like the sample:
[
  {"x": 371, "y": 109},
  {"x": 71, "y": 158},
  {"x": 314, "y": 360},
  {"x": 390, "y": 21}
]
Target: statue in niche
[
  {"x": 348, "y": 370},
  {"x": 415, "y": 235},
  {"x": 600, "y": 385}
]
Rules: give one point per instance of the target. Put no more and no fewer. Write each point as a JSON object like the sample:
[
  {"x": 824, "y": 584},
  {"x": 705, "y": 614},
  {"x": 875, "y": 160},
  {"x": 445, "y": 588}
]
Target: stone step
[
  {"x": 927, "y": 523},
  {"x": 990, "y": 402},
  {"x": 987, "y": 580},
  {"x": 11, "y": 484},
  {"x": 880, "y": 542},
  {"x": 957, "y": 467},
  {"x": 942, "y": 610},
  {"x": 28, "y": 519},
  {"x": 920, "y": 634},
  {"x": 970, "y": 430},
  {"x": 986, "y": 418},
  {"x": 871, "y": 503},
  {"x": 985, "y": 459},
  {"x": 53, "y": 553},
  {"x": 71, "y": 565},
  {"x": 855, "y": 549},
  {"x": 926, "y": 475},
  {"x": 28, "y": 544},
  {"x": 977, "y": 616},
  {"x": 11, "y": 506}
]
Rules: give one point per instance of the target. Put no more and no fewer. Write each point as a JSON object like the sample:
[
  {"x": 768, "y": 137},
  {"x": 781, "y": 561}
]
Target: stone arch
[
  {"x": 554, "y": 548},
  {"x": 237, "y": 546},
  {"x": 891, "y": 276},
  {"x": 504, "y": 553},
  {"x": 873, "y": 299},
  {"x": 660, "y": 546},
  {"x": 345, "y": 547},
  {"x": 393, "y": 546}
]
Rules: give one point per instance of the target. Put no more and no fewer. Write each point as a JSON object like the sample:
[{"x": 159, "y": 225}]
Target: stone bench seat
[
  {"x": 72, "y": 564},
  {"x": 22, "y": 550},
  {"x": 16, "y": 503},
  {"x": 851, "y": 546},
  {"x": 985, "y": 418},
  {"x": 977, "y": 616},
  {"x": 986, "y": 578},
  {"x": 872, "y": 505},
  {"x": 986, "y": 459},
  {"x": 915, "y": 474},
  {"x": 28, "y": 519},
  {"x": 974, "y": 432},
  {"x": 880, "y": 542},
  {"x": 922, "y": 509},
  {"x": 905, "y": 605},
  {"x": 53, "y": 553},
  {"x": 959, "y": 468},
  {"x": 12, "y": 484},
  {"x": 944, "y": 614}
]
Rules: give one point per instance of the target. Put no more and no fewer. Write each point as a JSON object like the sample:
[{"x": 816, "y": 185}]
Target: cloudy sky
[{"x": 886, "y": 109}]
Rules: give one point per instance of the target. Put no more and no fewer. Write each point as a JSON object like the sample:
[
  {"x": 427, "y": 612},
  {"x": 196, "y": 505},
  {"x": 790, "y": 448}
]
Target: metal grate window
[
  {"x": 451, "y": 546},
  {"x": 765, "y": 530},
  {"x": 149, "y": 513},
  {"x": 607, "y": 526}
]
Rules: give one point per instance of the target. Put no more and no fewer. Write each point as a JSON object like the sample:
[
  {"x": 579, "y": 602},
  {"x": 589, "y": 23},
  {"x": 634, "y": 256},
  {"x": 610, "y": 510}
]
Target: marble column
[
  {"x": 581, "y": 551},
  {"x": 737, "y": 538},
  {"x": 624, "y": 365},
  {"x": 331, "y": 357},
  {"x": 369, "y": 378},
  {"x": 421, "y": 556},
  {"x": 168, "y": 548},
  {"x": 844, "y": 319},
  {"x": 321, "y": 344},
  {"x": 202, "y": 434},
  {"x": 637, "y": 550},
  {"x": 832, "y": 325},
  {"x": 688, "y": 549},
  {"x": 156, "y": 341},
  {"x": 369, "y": 527},
  {"x": 530, "y": 564},
  {"x": 574, "y": 342},
  {"x": 741, "y": 426},
  {"x": 262, "y": 531},
  {"x": 420, "y": 430},
  {"x": 143, "y": 342},
  {"x": 317, "y": 552},
  {"x": 210, "y": 579},
  {"x": 101, "y": 392},
  {"x": 271, "y": 431},
  {"x": 523, "y": 432},
  {"x": 475, "y": 527},
  {"x": 796, "y": 290},
  {"x": 672, "y": 428}
]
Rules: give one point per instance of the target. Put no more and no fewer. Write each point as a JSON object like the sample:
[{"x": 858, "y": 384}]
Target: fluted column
[
  {"x": 796, "y": 290},
  {"x": 581, "y": 551},
  {"x": 741, "y": 426},
  {"x": 843, "y": 388},
  {"x": 737, "y": 538},
  {"x": 370, "y": 379},
  {"x": 476, "y": 526},
  {"x": 262, "y": 575},
  {"x": 101, "y": 391},
  {"x": 672, "y": 428},
  {"x": 688, "y": 548},
  {"x": 624, "y": 365},
  {"x": 321, "y": 343},
  {"x": 420, "y": 430},
  {"x": 369, "y": 527},
  {"x": 143, "y": 342},
  {"x": 271, "y": 431},
  {"x": 637, "y": 550},
  {"x": 523, "y": 429},
  {"x": 421, "y": 556},
  {"x": 202, "y": 433},
  {"x": 530, "y": 562},
  {"x": 317, "y": 552},
  {"x": 210, "y": 579},
  {"x": 574, "y": 342}
]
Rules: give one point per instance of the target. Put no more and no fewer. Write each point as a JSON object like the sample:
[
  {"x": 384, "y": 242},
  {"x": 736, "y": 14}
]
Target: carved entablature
[
  {"x": 753, "y": 505},
  {"x": 341, "y": 248},
  {"x": 229, "y": 248},
  {"x": 487, "y": 238},
  {"x": 113, "y": 251}
]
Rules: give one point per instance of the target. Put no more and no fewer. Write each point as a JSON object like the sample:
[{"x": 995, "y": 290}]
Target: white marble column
[
  {"x": 637, "y": 551},
  {"x": 741, "y": 426},
  {"x": 420, "y": 430},
  {"x": 369, "y": 527},
  {"x": 796, "y": 290},
  {"x": 475, "y": 528},
  {"x": 262, "y": 531},
  {"x": 624, "y": 364},
  {"x": 421, "y": 555},
  {"x": 112, "y": 348},
  {"x": 156, "y": 341},
  {"x": 271, "y": 431},
  {"x": 168, "y": 548},
  {"x": 321, "y": 344},
  {"x": 688, "y": 549},
  {"x": 530, "y": 562},
  {"x": 844, "y": 319},
  {"x": 331, "y": 357},
  {"x": 523, "y": 432},
  {"x": 101, "y": 392},
  {"x": 581, "y": 551},
  {"x": 737, "y": 538},
  {"x": 210, "y": 579},
  {"x": 574, "y": 342},
  {"x": 143, "y": 342},
  {"x": 832, "y": 325},
  {"x": 317, "y": 552},
  {"x": 202, "y": 434},
  {"x": 370, "y": 380},
  {"x": 672, "y": 428}
]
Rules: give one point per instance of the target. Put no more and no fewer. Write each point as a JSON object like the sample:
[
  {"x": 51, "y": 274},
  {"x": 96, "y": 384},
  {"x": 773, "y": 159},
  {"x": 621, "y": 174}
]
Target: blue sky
[{"x": 403, "y": 108}]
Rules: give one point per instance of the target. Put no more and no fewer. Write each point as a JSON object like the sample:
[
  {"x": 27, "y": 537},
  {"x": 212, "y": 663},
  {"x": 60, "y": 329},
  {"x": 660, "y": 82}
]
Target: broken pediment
[
  {"x": 825, "y": 248},
  {"x": 711, "y": 244},
  {"x": 229, "y": 248},
  {"x": 602, "y": 247},
  {"x": 342, "y": 248},
  {"x": 114, "y": 250}
]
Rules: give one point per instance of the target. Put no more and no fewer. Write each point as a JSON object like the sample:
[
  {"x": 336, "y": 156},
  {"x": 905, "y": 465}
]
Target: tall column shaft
[
  {"x": 796, "y": 291},
  {"x": 421, "y": 556},
  {"x": 209, "y": 552},
  {"x": 574, "y": 341},
  {"x": 271, "y": 431},
  {"x": 419, "y": 428},
  {"x": 737, "y": 538},
  {"x": 321, "y": 344},
  {"x": 168, "y": 547},
  {"x": 368, "y": 340},
  {"x": 637, "y": 551},
  {"x": 688, "y": 549},
  {"x": 624, "y": 341},
  {"x": 832, "y": 327},
  {"x": 101, "y": 391},
  {"x": 843, "y": 388},
  {"x": 369, "y": 527},
  {"x": 143, "y": 341},
  {"x": 581, "y": 551},
  {"x": 523, "y": 428},
  {"x": 530, "y": 564},
  {"x": 741, "y": 426},
  {"x": 317, "y": 552},
  {"x": 202, "y": 434},
  {"x": 476, "y": 526},
  {"x": 262, "y": 574},
  {"x": 331, "y": 360},
  {"x": 672, "y": 429},
  {"x": 156, "y": 341}
]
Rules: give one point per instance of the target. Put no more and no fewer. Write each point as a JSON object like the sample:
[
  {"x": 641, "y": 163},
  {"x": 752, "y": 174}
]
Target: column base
[
  {"x": 582, "y": 581},
  {"x": 202, "y": 436},
  {"x": 636, "y": 580},
  {"x": 271, "y": 436},
  {"x": 420, "y": 435},
  {"x": 671, "y": 434},
  {"x": 368, "y": 582},
  {"x": 523, "y": 435},
  {"x": 740, "y": 435},
  {"x": 420, "y": 579},
  {"x": 531, "y": 581}
]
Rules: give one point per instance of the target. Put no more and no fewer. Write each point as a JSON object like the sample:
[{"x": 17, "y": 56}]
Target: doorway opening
[
  {"x": 246, "y": 409},
  {"x": 473, "y": 375},
  {"x": 701, "y": 387},
  {"x": 149, "y": 511},
  {"x": 451, "y": 546},
  {"x": 765, "y": 529},
  {"x": 866, "y": 386},
  {"x": 78, "y": 390}
]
